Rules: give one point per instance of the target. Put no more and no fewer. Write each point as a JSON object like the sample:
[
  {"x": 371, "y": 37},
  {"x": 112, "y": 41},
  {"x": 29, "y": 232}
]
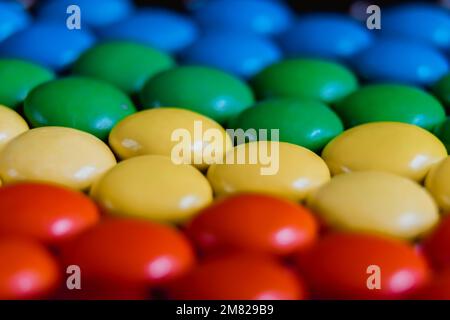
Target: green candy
[
  {"x": 82, "y": 103},
  {"x": 305, "y": 78},
  {"x": 18, "y": 78},
  {"x": 310, "y": 124},
  {"x": 443, "y": 133},
  {"x": 442, "y": 90},
  {"x": 125, "y": 64},
  {"x": 207, "y": 91},
  {"x": 391, "y": 102}
]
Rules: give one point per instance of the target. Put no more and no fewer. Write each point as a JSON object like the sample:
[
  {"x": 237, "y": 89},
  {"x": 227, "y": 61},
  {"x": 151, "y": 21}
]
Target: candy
[
  {"x": 263, "y": 17},
  {"x": 11, "y": 125},
  {"x": 158, "y": 28},
  {"x": 129, "y": 252},
  {"x": 375, "y": 202},
  {"x": 81, "y": 103},
  {"x": 341, "y": 266},
  {"x": 254, "y": 223},
  {"x": 305, "y": 78},
  {"x": 207, "y": 91},
  {"x": 13, "y": 18},
  {"x": 94, "y": 13},
  {"x": 18, "y": 79},
  {"x": 58, "y": 155},
  {"x": 394, "y": 147},
  {"x": 311, "y": 36},
  {"x": 443, "y": 133},
  {"x": 424, "y": 22},
  {"x": 436, "y": 289},
  {"x": 438, "y": 183},
  {"x": 442, "y": 90},
  {"x": 385, "y": 61},
  {"x": 152, "y": 132},
  {"x": 436, "y": 245},
  {"x": 58, "y": 46},
  {"x": 307, "y": 123},
  {"x": 152, "y": 187},
  {"x": 239, "y": 277},
  {"x": 241, "y": 54},
  {"x": 290, "y": 171},
  {"x": 45, "y": 212},
  {"x": 391, "y": 102},
  {"x": 125, "y": 64},
  {"x": 27, "y": 270}
]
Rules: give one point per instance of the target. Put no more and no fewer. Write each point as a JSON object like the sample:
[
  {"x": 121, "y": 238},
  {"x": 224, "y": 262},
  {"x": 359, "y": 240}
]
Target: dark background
[{"x": 300, "y": 5}]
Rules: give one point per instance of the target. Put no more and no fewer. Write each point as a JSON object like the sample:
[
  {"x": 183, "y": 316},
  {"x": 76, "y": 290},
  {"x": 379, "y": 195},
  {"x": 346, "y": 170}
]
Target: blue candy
[
  {"x": 429, "y": 23},
  {"x": 13, "y": 18},
  {"x": 161, "y": 29},
  {"x": 94, "y": 13},
  {"x": 401, "y": 60},
  {"x": 49, "y": 44},
  {"x": 241, "y": 54},
  {"x": 329, "y": 36},
  {"x": 266, "y": 17}
]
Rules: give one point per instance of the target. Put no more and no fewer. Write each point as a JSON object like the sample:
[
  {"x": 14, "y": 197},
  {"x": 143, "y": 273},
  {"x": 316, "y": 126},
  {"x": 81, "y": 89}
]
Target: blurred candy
[
  {"x": 437, "y": 245},
  {"x": 48, "y": 213},
  {"x": 307, "y": 123},
  {"x": 340, "y": 267},
  {"x": 238, "y": 277},
  {"x": 305, "y": 78},
  {"x": 394, "y": 147},
  {"x": 27, "y": 270},
  {"x": 81, "y": 103},
  {"x": 18, "y": 78},
  {"x": 253, "y": 222},
  {"x": 263, "y": 17},
  {"x": 125, "y": 64},
  {"x": 443, "y": 133},
  {"x": 241, "y": 54},
  {"x": 442, "y": 90},
  {"x": 58, "y": 155},
  {"x": 331, "y": 36},
  {"x": 420, "y": 21},
  {"x": 279, "y": 168},
  {"x": 436, "y": 289},
  {"x": 207, "y": 91},
  {"x": 391, "y": 102},
  {"x": 152, "y": 132},
  {"x": 164, "y": 30},
  {"x": 58, "y": 46},
  {"x": 154, "y": 188},
  {"x": 376, "y": 202},
  {"x": 402, "y": 61},
  {"x": 11, "y": 125},
  {"x": 96, "y": 13},
  {"x": 129, "y": 252},
  {"x": 438, "y": 183},
  {"x": 13, "y": 18}
]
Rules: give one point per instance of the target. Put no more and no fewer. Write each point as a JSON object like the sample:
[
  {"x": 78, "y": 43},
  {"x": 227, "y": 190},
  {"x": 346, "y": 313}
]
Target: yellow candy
[
  {"x": 11, "y": 125},
  {"x": 152, "y": 187},
  {"x": 154, "y": 132},
  {"x": 438, "y": 183},
  {"x": 393, "y": 147},
  {"x": 292, "y": 171},
  {"x": 376, "y": 202},
  {"x": 54, "y": 154}
]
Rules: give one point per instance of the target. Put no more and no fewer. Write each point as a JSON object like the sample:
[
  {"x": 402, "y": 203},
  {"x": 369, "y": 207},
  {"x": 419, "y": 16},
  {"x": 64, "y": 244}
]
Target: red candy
[
  {"x": 437, "y": 245},
  {"x": 124, "y": 252},
  {"x": 239, "y": 277},
  {"x": 341, "y": 266},
  {"x": 27, "y": 270},
  {"x": 45, "y": 212},
  {"x": 254, "y": 223},
  {"x": 437, "y": 289}
]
